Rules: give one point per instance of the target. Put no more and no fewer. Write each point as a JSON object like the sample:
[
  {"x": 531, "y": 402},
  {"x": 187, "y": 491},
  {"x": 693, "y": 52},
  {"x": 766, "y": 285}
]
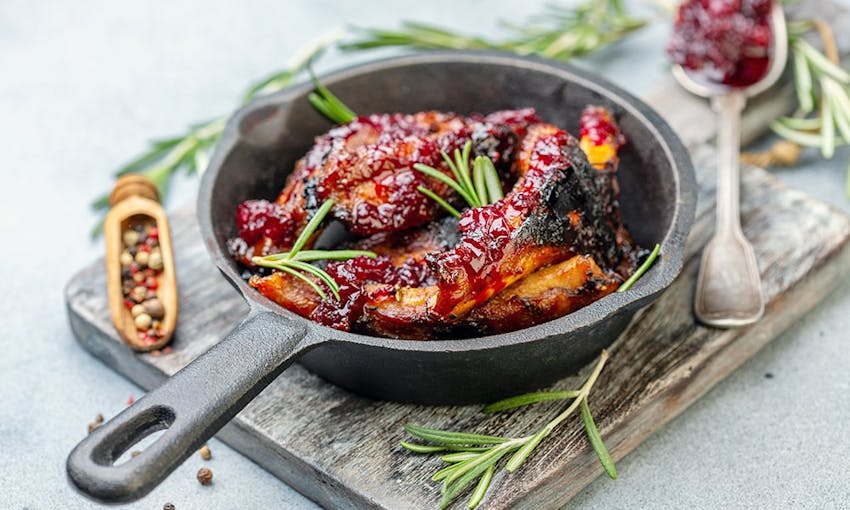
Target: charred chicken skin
[{"x": 553, "y": 244}]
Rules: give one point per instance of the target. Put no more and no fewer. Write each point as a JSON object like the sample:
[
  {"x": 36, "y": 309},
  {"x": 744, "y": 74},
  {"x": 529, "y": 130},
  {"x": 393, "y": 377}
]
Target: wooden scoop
[{"x": 135, "y": 201}]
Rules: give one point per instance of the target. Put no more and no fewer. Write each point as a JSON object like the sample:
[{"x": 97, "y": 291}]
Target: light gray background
[{"x": 83, "y": 85}]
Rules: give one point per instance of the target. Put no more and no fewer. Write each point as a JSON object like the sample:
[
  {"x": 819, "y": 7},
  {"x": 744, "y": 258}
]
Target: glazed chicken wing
[
  {"x": 555, "y": 211},
  {"x": 366, "y": 167},
  {"x": 550, "y": 292}
]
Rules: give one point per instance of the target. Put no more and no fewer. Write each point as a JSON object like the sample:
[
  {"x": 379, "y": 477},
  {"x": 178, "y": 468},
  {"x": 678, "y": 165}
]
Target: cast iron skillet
[{"x": 260, "y": 145}]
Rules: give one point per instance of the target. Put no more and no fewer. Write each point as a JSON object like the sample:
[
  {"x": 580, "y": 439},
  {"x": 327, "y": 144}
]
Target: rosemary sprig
[
  {"x": 478, "y": 185},
  {"x": 328, "y": 104},
  {"x": 295, "y": 261},
  {"x": 190, "y": 152},
  {"x": 560, "y": 32},
  {"x": 822, "y": 119},
  {"x": 650, "y": 259},
  {"x": 476, "y": 456}
]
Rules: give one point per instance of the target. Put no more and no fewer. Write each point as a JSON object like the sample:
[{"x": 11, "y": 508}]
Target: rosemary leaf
[
  {"x": 415, "y": 35},
  {"x": 803, "y": 82},
  {"x": 310, "y": 255},
  {"x": 821, "y": 62},
  {"x": 641, "y": 270},
  {"x": 596, "y": 440},
  {"x": 841, "y": 107},
  {"x": 422, "y": 448},
  {"x": 447, "y": 437},
  {"x": 303, "y": 57},
  {"x": 101, "y": 202},
  {"x": 271, "y": 83},
  {"x": 528, "y": 398},
  {"x": 472, "y": 463},
  {"x": 839, "y": 113},
  {"x": 444, "y": 472},
  {"x": 523, "y": 453},
  {"x": 481, "y": 488},
  {"x": 799, "y": 137},
  {"x": 462, "y": 161},
  {"x": 452, "y": 490},
  {"x": 478, "y": 179},
  {"x": 146, "y": 159},
  {"x": 440, "y": 176},
  {"x": 334, "y": 108},
  {"x": 437, "y": 198},
  {"x": 304, "y": 277},
  {"x": 318, "y": 273},
  {"x": 458, "y": 456},
  {"x": 323, "y": 108},
  {"x": 491, "y": 178},
  {"x": 827, "y": 130},
  {"x": 808, "y": 124},
  {"x": 202, "y": 160},
  {"x": 311, "y": 227},
  {"x": 456, "y": 172}
]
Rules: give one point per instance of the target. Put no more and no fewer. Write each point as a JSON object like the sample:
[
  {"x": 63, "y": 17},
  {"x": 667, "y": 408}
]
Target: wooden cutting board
[{"x": 342, "y": 450}]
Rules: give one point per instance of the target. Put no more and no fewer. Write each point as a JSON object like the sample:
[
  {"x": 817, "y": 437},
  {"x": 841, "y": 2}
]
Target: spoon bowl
[{"x": 779, "y": 47}]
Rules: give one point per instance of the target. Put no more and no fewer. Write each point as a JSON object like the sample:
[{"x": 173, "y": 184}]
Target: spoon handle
[
  {"x": 728, "y": 107},
  {"x": 728, "y": 286}
]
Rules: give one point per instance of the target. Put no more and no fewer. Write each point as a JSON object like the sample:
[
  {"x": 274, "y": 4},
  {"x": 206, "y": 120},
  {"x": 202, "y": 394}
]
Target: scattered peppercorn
[
  {"x": 92, "y": 427},
  {"x": 205, "y": 476},
  {"x": 168, "y": 506},
  {"x": 205, "y": 452},
  {"x": 135, "y": 453},
  {"x": 98, "y": 418},
  {"x": 130, "y": 400}
]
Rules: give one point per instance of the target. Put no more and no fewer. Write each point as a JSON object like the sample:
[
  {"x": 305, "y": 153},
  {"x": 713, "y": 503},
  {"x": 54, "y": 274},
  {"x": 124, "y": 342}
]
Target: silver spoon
[{"x": 728, "y": 290}]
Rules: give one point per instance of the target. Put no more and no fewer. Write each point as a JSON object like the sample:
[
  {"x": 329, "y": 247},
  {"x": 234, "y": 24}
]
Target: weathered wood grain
[{"x": 342, "y": 450}]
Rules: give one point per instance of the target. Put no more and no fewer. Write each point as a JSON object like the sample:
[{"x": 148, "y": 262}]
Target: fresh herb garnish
[
  {"x": 295, "y": 261},
  {"x": 818, "y": 78},
  {"x": 478, "y": 186},
  {"x": 475, "y": 456},
  {"x": 559, "y": 32},
  {"x": 650, "y": 259},
  {"x": 328, "y": 104}
]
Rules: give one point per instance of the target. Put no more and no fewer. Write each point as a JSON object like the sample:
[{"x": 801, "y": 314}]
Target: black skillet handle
[{"x": 192, "y": 405}]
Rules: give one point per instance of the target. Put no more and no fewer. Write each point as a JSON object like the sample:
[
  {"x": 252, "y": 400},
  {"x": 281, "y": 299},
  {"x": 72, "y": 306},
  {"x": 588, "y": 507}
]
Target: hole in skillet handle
[
  {"x": 91, "y": 466},
  {"x": 131, "y": 433},
  {"x": 191, "y": 406}
]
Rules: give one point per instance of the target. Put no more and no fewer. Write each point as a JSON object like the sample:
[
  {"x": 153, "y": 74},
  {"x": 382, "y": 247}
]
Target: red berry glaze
[{"x": 725, "y": 41}]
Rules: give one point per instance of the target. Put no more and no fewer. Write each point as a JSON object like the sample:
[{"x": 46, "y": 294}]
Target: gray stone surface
[{"x": 85, "y": 85}]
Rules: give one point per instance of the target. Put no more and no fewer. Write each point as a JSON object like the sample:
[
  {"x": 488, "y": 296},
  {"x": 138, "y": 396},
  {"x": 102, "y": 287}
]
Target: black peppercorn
[{"x": 205, "y": 476}]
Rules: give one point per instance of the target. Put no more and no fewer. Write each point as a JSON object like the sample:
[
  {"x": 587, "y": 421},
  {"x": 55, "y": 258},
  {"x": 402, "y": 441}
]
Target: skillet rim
[{"x": 665, "y": 270}]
